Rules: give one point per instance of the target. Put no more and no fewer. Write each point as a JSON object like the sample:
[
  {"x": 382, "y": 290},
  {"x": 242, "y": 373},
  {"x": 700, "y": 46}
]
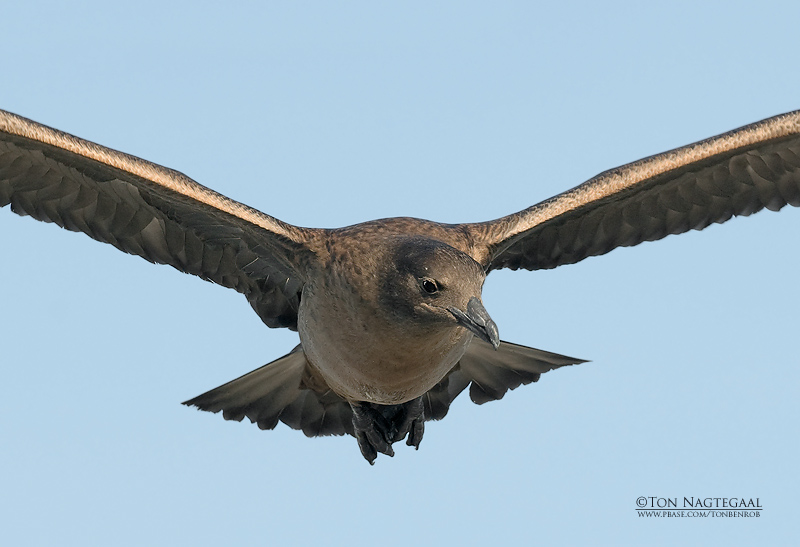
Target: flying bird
[{"x": 389, "y": 313}]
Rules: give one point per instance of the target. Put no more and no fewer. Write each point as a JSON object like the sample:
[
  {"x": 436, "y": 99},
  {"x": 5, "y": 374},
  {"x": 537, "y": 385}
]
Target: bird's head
[{"x": 436, "y": 285}]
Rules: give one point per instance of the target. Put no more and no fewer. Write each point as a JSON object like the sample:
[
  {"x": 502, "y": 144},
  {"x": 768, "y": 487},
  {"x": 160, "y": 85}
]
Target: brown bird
[{"x": 389, "y": 312}]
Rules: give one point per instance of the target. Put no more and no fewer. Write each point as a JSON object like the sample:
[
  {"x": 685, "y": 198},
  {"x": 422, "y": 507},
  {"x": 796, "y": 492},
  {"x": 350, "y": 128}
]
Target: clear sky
[{"x": 328, "y": 114}]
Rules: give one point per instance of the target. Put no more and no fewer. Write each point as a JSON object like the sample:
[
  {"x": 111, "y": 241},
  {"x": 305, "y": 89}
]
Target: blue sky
[{"x": 328, "y": 115}]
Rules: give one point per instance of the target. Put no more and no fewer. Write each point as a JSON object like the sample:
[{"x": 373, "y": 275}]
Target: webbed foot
[
  {"x": 372, "y": 431},
  {"x": 377, "y": 427},
  {"x": 410, "y": 420}
]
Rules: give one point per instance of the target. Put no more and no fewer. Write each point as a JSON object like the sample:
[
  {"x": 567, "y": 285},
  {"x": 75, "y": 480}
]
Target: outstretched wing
[
  {"x": 153, "y": 212},
  {"x": 736, "y": 173}
]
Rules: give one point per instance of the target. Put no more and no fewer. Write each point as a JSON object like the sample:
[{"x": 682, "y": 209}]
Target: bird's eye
[{"x": 430, "y": 286}]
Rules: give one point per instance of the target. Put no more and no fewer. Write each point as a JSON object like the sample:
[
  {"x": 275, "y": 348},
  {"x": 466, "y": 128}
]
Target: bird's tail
[{"x": 284, "y": 390}]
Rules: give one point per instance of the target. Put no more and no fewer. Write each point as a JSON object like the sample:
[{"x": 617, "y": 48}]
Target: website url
[{"x": 695, "y": 514}]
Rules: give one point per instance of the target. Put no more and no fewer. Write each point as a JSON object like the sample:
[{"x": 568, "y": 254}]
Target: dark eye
[{"x": 430, "y": 286}]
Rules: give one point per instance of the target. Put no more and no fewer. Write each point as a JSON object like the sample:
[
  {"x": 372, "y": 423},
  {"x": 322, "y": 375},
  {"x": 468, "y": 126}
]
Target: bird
[{"x": 389, "y": 313}]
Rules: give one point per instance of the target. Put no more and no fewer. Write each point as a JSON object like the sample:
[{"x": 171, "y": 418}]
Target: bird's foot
[
  {"x": 372, "y": 431},
  {"x": 410, "y": 420},
  {"x": 377, "y": 427}
]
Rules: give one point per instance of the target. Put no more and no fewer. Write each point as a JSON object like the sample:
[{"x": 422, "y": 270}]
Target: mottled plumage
[{"x": 389, "y": 315}]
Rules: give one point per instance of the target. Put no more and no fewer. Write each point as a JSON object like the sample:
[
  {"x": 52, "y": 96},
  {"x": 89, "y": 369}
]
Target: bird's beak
[{"x": 477, "y": 321}]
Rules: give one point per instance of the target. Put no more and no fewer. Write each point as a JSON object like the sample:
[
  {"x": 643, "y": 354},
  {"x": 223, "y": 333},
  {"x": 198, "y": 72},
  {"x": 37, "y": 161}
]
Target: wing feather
[
  {"x": 154, "y": 212},
  {"x": 734, "y": 174}
]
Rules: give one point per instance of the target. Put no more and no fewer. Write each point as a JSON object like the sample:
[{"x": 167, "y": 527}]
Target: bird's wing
[
  {"x": 736, "y": 173},
  {"x": 284, "y": 390},
  {"x": 490, "y": 374},
  {"x": 154, "y": 212}
]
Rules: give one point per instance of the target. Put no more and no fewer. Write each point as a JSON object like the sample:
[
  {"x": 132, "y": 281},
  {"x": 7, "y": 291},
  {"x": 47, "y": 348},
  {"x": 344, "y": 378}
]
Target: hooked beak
[{"x": 477, "y": 321}]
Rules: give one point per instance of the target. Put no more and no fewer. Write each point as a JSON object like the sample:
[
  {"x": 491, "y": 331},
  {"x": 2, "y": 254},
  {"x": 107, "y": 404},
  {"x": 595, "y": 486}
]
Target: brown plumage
[{"x": 389, "y": 315}]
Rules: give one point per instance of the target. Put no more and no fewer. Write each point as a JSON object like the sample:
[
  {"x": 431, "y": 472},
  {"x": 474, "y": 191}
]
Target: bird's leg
[
  {"x": 410, "y": 420},
  {"x": 378, "y": 426},
  {"x": 372, "y": 431}
]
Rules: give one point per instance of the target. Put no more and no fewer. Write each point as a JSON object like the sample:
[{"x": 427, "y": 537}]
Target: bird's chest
[{"x": 366, "y": 354}]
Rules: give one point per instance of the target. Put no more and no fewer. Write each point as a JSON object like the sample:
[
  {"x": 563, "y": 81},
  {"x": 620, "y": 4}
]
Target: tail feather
[
  {"x": 490, "y": 373},
  {"x": 287, "y": 390},
  {"x": 276, "y": 393}
]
